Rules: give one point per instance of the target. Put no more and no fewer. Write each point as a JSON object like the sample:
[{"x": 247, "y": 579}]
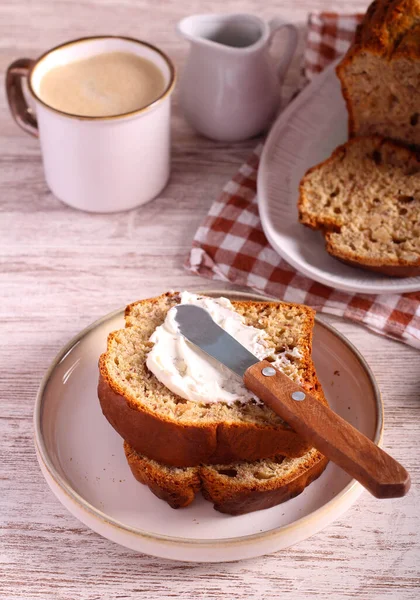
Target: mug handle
[
  {"x": 275, "y": 25},
  {"x": 19, "y": 108}
]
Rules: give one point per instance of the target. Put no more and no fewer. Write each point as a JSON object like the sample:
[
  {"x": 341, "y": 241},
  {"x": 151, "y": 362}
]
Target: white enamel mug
[{"x": 97, "y": 164}]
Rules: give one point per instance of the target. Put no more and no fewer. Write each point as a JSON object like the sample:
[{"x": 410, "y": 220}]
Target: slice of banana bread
[
  {"x": 366, "y": 200},
  {"x": 380, "y": 73},
  {"x": 235, "y": 489},
  {"x": 183, "y": 433}
]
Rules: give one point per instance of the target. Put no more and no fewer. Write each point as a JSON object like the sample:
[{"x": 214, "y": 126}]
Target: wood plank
[{"x": 61, "y": 269}]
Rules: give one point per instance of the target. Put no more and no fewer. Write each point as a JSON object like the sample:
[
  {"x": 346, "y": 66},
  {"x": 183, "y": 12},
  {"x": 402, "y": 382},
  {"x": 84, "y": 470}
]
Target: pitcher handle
[
  {"x": 19, "y": 108},
  {"x": 276, "y": 25}
]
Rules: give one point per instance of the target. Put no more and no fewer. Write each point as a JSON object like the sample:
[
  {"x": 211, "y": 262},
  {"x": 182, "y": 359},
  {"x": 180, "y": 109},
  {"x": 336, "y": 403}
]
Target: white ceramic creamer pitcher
[{"x": 230, "y": 88}]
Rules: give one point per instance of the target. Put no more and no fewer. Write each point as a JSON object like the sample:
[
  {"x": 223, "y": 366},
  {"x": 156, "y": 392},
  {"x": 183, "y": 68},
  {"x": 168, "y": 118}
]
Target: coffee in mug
[
  {"x": 102, "y": 113},
  {"x": 104, "y": 85}
]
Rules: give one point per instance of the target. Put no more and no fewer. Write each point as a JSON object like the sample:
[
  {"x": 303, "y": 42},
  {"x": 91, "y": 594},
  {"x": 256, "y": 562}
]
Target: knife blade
[
  {"x": 339, "y": 441},
  {"x": 197, "y": 325}
]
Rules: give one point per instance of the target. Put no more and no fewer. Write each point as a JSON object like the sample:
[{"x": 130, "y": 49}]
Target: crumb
[
  {"x": 337, "y": 372},
  {"x": 348, "y": 408},
  {"x": 71, "y": 458}
]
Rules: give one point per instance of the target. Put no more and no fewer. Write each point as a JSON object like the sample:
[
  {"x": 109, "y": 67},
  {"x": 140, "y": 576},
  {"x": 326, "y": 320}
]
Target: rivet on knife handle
[{"x": 378, "y": 472}]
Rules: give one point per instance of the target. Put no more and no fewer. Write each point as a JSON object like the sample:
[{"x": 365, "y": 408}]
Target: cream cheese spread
[{"x": 190, "y": 373}]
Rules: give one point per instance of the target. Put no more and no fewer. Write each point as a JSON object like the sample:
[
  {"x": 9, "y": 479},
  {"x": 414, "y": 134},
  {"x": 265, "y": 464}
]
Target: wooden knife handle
[{"x": 339, "y": 441}]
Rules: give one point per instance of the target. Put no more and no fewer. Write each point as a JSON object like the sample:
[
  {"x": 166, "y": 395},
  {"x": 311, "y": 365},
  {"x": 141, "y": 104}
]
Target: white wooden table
[{"x": 61, "y": 269}]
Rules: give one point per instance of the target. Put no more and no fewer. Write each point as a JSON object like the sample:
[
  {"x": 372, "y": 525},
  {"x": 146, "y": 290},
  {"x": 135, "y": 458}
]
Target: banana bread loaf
[
  {"x": 235, "y": 489},
  {"x": 366, "y": 201},
  {"x": 380, "y": 74},
  {"x": 171, "y": 430}
]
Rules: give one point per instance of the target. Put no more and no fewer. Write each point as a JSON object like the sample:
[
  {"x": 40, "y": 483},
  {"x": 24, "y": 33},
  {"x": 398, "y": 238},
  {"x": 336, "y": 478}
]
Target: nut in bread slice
[
  {"x": 235, "y": 489},
  {"x": 177, "y": 432},
  {"x": 366, "y": 200}
]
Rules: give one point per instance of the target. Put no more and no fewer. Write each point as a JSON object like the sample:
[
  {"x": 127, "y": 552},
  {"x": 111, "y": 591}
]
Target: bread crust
[
  {"x": 394, "y": 268},
  {"x": 180, "y": 445},
  {"x": 243, "y": 502},
  {"x": 179, "y": 490},
  {"x": 170, "y": 442},
  {"x": 390, "y": 270},
  {"x": 389, "y": 29}
]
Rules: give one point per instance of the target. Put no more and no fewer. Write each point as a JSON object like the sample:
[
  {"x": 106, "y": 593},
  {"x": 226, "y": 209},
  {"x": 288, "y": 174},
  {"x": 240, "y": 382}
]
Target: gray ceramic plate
[
  {"x": 305, "y": 134},
  {"x": 83, "y": 461}
]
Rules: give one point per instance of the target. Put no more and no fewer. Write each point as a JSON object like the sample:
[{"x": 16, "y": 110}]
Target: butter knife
[{"x": 339, "y": 441}]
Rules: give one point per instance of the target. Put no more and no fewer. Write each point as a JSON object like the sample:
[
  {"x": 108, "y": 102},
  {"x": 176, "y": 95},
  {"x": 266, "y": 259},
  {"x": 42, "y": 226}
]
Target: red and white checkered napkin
[{"x": 231, "y": 246}]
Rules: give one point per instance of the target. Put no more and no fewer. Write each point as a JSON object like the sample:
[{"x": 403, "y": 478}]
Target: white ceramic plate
[
  {"x": 304, "y": 135},
  {"x": 82, "y": 459}
]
